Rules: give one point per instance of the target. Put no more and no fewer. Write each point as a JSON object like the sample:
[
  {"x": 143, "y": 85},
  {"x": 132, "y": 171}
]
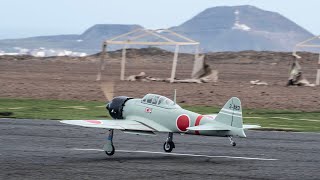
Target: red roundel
[
  {"x": 183, "y": 122},
  {"x": 94, "y": 121}
]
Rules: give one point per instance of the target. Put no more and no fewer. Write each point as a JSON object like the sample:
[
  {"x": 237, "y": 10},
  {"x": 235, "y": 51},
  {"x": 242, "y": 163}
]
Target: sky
[{"x": 26, "y": 18}]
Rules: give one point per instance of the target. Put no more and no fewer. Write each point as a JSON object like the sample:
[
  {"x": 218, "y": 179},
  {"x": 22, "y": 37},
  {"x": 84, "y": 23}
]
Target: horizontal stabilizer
[
  {"x": 208, "y": 127},
  {"x": 249, "y": 126}
]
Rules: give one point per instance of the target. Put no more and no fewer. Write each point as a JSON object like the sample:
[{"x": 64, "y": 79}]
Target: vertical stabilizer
[{"x": 231, "y": 113}]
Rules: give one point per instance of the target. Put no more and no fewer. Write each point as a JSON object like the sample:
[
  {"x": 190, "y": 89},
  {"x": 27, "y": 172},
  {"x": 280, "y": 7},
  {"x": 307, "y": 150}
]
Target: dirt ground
[{"x": 74, "y": 78}]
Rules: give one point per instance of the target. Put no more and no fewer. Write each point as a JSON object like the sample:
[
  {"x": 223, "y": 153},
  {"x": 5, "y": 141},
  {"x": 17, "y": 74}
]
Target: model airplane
[{"x": 156, "y": 113}]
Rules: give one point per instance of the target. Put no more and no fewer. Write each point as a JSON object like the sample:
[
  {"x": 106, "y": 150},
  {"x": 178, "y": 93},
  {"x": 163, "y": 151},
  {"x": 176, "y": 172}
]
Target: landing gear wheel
[
  {"x": 231, "y": 141},
  {"x": 168, "y": 146},
  {"x": 110, "y": 153}
]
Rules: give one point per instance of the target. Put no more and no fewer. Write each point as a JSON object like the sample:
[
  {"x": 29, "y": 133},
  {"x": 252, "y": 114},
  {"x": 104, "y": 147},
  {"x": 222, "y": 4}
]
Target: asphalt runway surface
[{"x": 47, "y": 149}]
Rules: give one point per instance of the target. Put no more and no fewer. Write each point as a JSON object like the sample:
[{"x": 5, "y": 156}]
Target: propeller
[
  {"x": 108, "y": 90},
  {"x": 115, "y": 104}
]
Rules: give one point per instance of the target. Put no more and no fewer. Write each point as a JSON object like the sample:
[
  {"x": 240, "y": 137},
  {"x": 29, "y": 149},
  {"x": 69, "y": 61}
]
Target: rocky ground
[{"x": 74, "y": 78}]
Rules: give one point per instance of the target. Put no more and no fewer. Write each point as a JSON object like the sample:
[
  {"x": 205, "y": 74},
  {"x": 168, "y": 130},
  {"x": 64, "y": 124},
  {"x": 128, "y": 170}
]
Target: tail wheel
[
  {"x": 110, "y": 153},
  {"x": 168, "y": 146}
]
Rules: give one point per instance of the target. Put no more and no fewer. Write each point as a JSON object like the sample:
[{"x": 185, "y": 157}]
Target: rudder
[{"x": 231, "y": 113}]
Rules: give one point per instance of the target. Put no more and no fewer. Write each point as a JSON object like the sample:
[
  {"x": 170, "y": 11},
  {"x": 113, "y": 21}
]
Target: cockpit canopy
[{"x": 159, "y": 100}]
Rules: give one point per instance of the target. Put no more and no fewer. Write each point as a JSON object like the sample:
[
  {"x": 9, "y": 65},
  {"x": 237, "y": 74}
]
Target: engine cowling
[{"x": 115, "y": 107}]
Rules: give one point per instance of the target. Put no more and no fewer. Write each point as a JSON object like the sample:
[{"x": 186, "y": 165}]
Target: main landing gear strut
[
  {"x": 231, "y": 141},
  {"x": 169, "y": 144},
  {"x": 108, "y": 147}
]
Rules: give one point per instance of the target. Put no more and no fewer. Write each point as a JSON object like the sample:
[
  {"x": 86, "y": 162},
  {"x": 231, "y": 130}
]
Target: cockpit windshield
[{"x": 158, "y": 100}]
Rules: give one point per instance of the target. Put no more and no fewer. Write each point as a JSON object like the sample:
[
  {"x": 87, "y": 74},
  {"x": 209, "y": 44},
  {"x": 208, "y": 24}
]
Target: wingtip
[{"x": 64, "y": 121}]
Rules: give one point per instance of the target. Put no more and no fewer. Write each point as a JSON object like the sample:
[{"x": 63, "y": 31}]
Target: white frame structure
[
  {"x": 133, "y": 37},
  {"x": 308, "y": 44}
]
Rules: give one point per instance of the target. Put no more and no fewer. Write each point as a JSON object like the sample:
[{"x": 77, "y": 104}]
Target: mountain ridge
[
  {"x": 222, "y": 28},
  {"x": 238, "y": 28}
]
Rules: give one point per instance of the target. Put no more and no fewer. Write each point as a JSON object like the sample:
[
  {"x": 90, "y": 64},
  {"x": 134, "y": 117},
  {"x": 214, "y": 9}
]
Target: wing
[
  {"x": 249, "y": 126},
  {"x": 110, "y": 124},
  {"x": 209, "y": 127}
]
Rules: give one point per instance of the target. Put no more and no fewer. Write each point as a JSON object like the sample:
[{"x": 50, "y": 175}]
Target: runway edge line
[{"x": 182, "y": 154}]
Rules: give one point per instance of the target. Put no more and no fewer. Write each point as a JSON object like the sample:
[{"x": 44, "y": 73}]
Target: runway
[{"x": 45, "y": 149}]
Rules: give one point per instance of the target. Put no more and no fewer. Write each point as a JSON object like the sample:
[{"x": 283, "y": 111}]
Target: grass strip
[{"x": 71, "y": 109}]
